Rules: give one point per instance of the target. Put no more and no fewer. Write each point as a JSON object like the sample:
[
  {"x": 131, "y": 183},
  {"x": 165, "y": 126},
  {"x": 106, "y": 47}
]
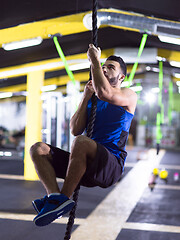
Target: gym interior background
[{"x": 38, "y": 97}]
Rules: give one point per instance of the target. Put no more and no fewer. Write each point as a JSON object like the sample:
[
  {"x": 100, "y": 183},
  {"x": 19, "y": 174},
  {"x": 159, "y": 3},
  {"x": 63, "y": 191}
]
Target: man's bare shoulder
[
  {"x": 132, "y": 96},
  {"x": 128, "y": 91}
]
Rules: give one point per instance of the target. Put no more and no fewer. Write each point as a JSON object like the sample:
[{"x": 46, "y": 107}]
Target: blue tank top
[{"x": 111, "y": 127}]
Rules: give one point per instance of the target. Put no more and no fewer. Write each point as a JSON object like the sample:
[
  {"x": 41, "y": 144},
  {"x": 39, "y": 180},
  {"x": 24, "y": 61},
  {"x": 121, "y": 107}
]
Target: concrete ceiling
[{"x": 27, "y": 19}]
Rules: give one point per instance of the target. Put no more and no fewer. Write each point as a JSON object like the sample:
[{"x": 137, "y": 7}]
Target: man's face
[{"x": 112, "y": 72}]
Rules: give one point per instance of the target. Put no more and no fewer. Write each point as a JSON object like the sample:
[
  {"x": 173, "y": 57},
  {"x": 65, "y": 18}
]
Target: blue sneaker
[
  {"x": 38, "y": 204},
  {"x": 55, "y": 206}
]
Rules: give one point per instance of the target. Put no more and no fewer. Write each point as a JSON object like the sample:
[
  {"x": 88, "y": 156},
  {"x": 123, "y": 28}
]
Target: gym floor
[{"x": 129, "y": 210}]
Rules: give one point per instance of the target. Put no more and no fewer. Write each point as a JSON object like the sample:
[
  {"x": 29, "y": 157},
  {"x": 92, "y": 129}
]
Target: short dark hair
[{"x": 120, "y": 61}]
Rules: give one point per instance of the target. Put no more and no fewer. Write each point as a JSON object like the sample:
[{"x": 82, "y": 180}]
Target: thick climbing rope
[
  {"x": 90, "y": 124},
  {"x": 95, "y": 42}
]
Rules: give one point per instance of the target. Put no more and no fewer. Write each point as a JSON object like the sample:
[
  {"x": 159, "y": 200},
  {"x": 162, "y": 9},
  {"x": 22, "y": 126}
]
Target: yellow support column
[{"x": 33, "y": 119}]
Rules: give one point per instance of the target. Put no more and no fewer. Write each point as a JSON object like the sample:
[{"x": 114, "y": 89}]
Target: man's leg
[
  {"x": 83, "y": 152},
  {"x": 41, "y": 157},
  {"x": 55, "y": 204}
]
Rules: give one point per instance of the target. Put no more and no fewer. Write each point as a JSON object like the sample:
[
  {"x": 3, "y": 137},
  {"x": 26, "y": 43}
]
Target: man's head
[
  {"x": 115, "y": 70},
  {"x": 120, "y": 61}
]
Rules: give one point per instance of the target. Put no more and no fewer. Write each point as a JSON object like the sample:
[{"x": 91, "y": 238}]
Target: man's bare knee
[
  {"x": 84, "y": 145},
  {"x": 80, "y": 142},
  {"x": 39, "y": 148}
]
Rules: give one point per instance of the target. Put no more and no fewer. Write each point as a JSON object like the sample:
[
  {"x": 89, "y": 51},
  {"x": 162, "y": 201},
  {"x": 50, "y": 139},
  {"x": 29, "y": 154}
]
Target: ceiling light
[
  {"x": 175, "y": 64},
  {"x": 25, "y": 70},
  {"x": 161, "y": 58},
  {"x": 6, "y": 94},
  {"x": 177, "y": 75},
  {"x": 178, "y": 83},
  {"x": 148, "y": 68},
  {"x": 79, "y": 66},
  {"x": 167, "y": 39},
  {"x": 48, "y": 88},
  {"x": 87, "y": 21},
  {"x": 154, "y": 69},
  {"x": 136, "y": 88},
  {"x": 22, "y": 44}
]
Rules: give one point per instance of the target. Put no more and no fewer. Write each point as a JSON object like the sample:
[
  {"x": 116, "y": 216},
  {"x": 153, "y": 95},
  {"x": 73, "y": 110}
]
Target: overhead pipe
[{"x": 135, "y": 22}]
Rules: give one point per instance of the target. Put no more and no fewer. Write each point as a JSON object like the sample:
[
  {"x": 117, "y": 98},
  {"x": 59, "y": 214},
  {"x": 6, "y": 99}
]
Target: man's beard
[{"x": 113, "y": 81}]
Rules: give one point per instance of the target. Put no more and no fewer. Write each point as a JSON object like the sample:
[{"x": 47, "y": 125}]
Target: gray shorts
[{"x": 105, "y": 170}]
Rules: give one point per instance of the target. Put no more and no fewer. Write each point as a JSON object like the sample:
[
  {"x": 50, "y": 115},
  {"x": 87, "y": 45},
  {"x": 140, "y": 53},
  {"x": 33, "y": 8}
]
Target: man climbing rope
[{"x": 96, "y": 161}]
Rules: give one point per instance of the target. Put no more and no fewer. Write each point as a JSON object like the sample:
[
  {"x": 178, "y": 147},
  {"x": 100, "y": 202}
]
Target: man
[{"x": 92, "y": 162}]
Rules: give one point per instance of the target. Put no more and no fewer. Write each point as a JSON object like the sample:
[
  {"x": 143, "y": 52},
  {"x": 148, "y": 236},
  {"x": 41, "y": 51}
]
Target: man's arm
[
  {"x": 120, "y": 97},
  {"x": 79, "y": 119}
]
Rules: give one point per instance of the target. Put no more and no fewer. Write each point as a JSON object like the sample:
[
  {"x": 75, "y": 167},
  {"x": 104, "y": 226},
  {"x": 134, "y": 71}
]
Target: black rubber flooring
[
  {"x": 16, "y": 197},
  {"x": 171, "y": 158},
  {"x": 127, "y": 234},
  {"x": 26, "y": 230},
  {"x": 14, "y": 167},
  {"x": 160, "y": 206}
]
